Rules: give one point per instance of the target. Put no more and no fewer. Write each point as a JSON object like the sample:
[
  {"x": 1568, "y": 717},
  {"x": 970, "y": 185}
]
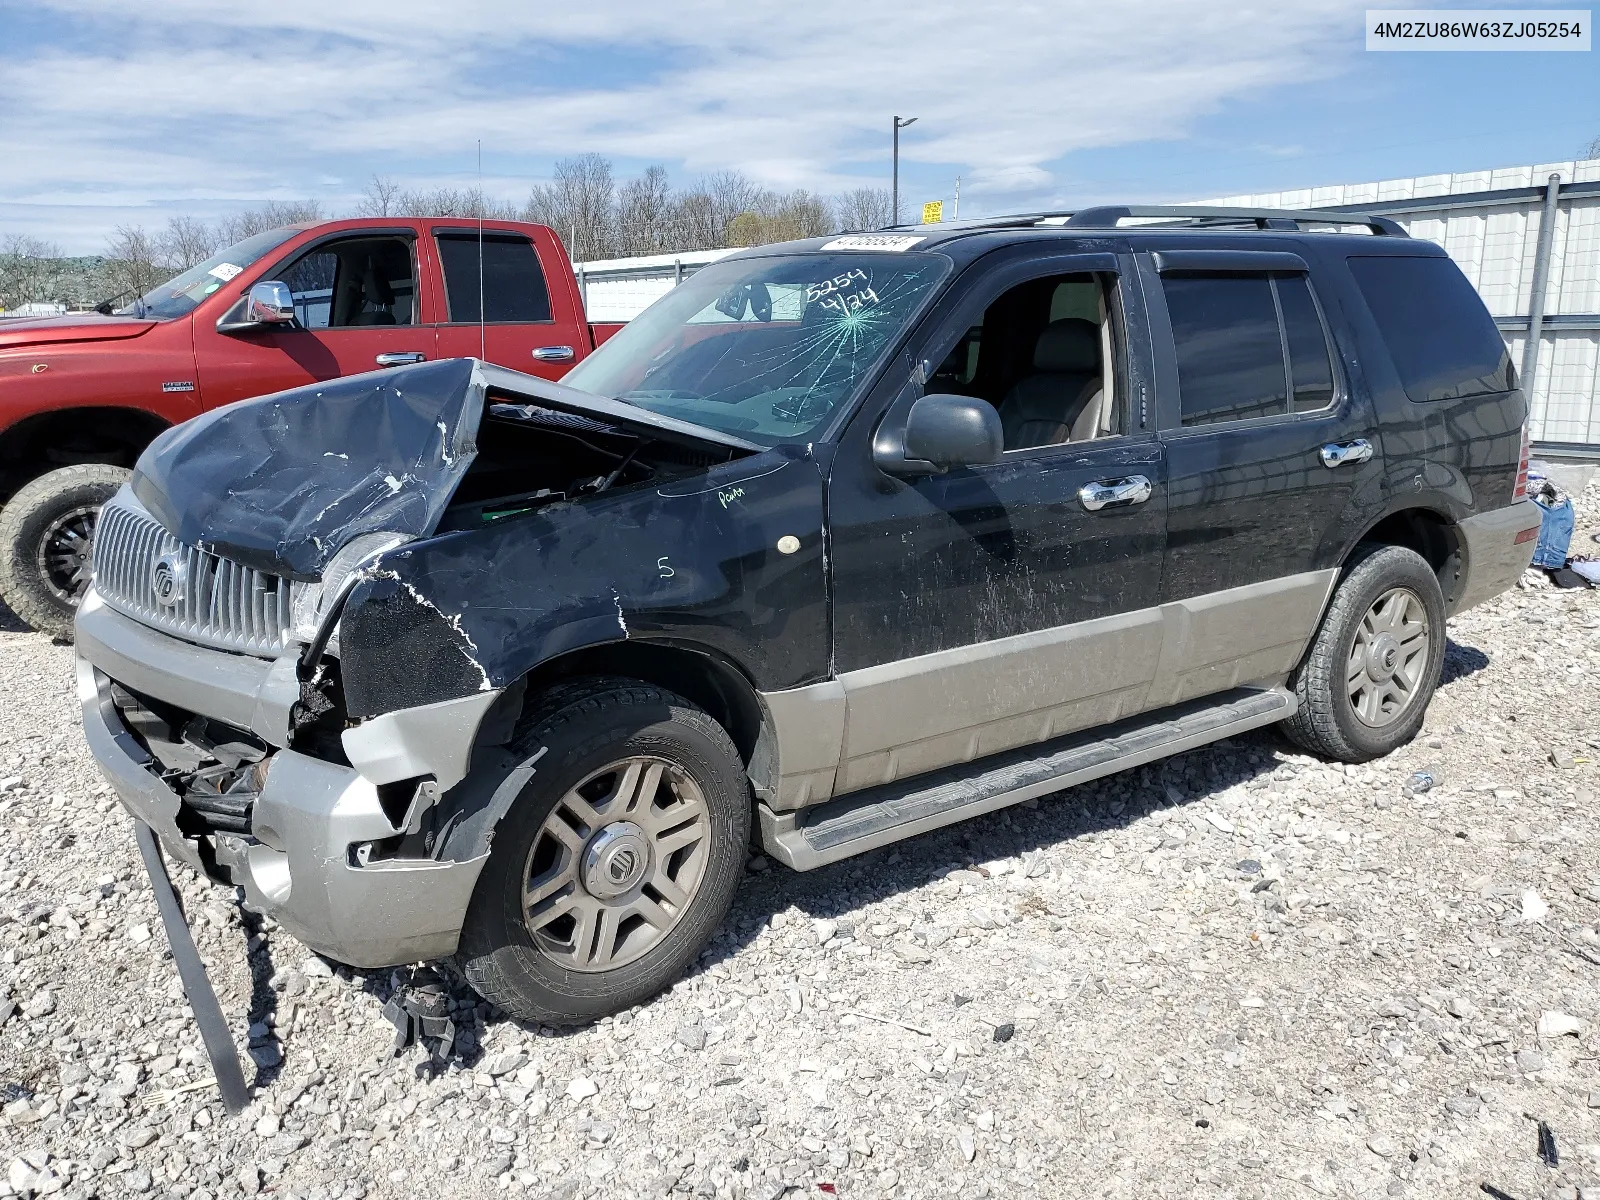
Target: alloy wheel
[
  {"x": 1387, "y": 660},
  {"x": 616, "y": 864}
]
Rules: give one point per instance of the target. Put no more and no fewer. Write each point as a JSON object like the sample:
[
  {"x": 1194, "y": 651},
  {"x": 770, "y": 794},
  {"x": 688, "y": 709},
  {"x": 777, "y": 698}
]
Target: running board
[{"x": 865, "y": 820}]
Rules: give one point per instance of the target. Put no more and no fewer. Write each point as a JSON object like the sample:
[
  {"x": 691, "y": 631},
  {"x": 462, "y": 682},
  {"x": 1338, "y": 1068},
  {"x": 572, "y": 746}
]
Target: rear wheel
[
  {"x": 46, "y": 530},
  {"x": 617, "y": 862},
  {"x": 1365, "y": 684}
]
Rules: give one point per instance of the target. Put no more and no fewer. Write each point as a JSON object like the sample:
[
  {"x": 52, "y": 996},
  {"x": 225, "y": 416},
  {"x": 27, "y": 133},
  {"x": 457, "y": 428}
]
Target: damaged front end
[{"x": 257, "y": 573}]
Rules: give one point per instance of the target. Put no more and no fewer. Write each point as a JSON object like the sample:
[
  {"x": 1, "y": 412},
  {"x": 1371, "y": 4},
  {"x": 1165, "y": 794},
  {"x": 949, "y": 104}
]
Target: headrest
[
  {"x": 375, "y": 288},
  {"x": 1070, "y": 345}
]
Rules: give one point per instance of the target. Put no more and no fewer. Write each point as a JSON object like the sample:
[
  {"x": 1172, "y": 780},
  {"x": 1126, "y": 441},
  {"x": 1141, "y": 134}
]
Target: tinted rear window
[
  {"x": 513, "y": 282},
  {"x": 1442, "y": 339},
  {"x": 1230, "y": 356}
]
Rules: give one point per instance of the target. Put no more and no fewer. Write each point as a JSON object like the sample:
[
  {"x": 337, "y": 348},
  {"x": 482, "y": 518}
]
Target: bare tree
[
  {"x": 274, "y": 214},
  {"x": 30, "y": 271},
  {"x": 452, "y": 202},
  {"x": 186, "y": 242},
  {"x": 380, "y": 198},
  {"x": 863, "y": 208},
  {"x": 1592, "y": 150},
  {"x": 133, "y": 264},
  {"x": 646, "y": 220},
  {"x": 580, "y": 205}
]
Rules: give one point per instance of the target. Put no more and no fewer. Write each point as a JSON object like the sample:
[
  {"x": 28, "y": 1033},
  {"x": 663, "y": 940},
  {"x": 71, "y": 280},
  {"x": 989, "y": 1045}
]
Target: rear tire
[
  {"x": 1365, "y": 683},
  {"x": 45, "y": 536},
  {"x": 627, "y": 845}
]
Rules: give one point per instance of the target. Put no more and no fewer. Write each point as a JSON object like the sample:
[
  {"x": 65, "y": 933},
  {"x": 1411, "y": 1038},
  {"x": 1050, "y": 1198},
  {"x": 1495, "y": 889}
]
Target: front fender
[{"x": 695, "y": 560}]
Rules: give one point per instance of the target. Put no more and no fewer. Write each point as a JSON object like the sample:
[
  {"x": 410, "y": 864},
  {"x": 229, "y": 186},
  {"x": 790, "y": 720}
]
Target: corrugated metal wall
[
  {"x": 1489, "y": 222},
  {"x": 619, "y": 289}
]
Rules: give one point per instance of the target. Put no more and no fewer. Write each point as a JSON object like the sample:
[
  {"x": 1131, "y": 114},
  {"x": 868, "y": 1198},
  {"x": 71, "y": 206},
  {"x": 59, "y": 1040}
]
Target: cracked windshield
[{"x": 766, "y": 348}]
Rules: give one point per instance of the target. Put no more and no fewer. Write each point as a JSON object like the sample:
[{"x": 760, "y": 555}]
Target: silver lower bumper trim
[{"x": 298, "y": 869}]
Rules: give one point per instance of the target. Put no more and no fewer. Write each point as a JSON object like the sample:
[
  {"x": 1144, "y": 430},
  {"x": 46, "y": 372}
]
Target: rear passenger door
[
  {"x": 519, "y": 328},
  {"x": 1271, "y": 461}
]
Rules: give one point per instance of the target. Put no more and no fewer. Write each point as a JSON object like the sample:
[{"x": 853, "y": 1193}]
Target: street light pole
[{"x": 895, "y": 194}]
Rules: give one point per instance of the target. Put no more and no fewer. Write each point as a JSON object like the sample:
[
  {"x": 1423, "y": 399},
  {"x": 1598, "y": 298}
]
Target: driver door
[
  {"x": 356, "y": 308},
  {"x": 995, "y": 606}
]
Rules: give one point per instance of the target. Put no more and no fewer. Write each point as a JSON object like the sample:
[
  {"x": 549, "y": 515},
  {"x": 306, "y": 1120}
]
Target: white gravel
[{"x": 1240, "y": 973}]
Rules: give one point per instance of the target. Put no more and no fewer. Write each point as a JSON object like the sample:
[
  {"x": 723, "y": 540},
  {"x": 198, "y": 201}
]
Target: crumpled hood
[
  {"x": 281, "y": 482},
  {"x": 71, "y": 327}
]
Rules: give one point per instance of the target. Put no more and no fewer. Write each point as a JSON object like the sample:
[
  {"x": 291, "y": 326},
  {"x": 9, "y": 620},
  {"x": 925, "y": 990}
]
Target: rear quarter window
[{"x": 1442, "y": 340}]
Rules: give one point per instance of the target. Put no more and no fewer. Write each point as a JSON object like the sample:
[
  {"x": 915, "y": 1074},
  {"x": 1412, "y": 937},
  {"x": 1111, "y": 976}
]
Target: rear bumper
[
  {"x": 1496, "y": 548},
  {"x": 297, "y": 866}
]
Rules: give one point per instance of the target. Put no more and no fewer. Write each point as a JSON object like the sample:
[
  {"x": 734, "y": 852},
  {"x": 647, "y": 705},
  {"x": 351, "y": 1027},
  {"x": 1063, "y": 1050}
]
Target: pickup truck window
[
  {"x": 513, "y": 288},
  {"x": 354, "y": 281},
  {"x": 179, "y": 295},
  {"x": 765, "y": 348}
]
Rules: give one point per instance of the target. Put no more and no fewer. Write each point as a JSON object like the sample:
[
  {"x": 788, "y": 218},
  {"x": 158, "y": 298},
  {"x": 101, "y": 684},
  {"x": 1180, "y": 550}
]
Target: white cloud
[{"x": 190, "y": 102}]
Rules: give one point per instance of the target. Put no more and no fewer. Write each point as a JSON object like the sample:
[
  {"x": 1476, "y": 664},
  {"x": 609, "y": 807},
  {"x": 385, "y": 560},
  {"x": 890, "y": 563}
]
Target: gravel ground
[{"x": 1240, "y": 973}]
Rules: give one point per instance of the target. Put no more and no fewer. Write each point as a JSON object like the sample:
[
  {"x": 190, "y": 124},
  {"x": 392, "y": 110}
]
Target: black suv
[{"x": 840, "y": 541}]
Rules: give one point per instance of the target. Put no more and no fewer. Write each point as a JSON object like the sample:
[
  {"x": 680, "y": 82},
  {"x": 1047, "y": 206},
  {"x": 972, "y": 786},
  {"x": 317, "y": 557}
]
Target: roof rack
[{"x": 1108, "y": 216}]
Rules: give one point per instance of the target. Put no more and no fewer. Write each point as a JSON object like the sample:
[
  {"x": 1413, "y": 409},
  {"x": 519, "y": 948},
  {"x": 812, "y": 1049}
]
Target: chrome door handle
[
  {"x": 553, "y": 353},
  {"x": 400, "y": 358},
  {"x": 1336, "y": 455},
  {"x": 1114, "y": 493}
]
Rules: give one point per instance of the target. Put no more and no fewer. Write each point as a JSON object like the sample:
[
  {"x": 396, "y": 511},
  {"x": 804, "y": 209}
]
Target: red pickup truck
[{"x": 82, "y": 395}]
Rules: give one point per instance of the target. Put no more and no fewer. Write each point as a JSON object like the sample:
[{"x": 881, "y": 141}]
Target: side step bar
[{"x": 878, "y": 816}]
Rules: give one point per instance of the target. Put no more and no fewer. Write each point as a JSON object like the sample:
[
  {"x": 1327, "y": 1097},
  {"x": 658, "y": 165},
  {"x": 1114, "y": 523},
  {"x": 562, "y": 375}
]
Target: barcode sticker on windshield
[
  {"x": 224, "y": 271},
  {"x": 873, "y": 241}
]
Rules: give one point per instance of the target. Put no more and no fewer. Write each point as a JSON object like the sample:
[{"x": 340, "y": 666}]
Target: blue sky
[{"x": 130, "y": 116}]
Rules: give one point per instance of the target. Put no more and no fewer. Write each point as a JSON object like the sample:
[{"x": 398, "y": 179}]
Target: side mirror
[
  {"x": 943, "y": 431},
  {"x": 268, "y": 305}
]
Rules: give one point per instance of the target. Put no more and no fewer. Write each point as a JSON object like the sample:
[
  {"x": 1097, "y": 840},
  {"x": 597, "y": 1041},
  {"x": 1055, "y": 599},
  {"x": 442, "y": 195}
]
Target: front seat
[
  {"x": 1059, "y": 401},
  {"x": 376, "y": 293}
]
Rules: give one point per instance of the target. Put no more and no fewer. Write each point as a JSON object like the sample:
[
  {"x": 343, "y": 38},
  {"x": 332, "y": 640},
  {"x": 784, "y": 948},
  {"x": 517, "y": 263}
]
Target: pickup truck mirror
[
  {"x": 268, "y": 304},
  {"x": 941, "y": 431}
]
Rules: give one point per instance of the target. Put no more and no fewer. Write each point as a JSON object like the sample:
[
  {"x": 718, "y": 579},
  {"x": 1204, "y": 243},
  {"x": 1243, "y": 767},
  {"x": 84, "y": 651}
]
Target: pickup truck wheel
[
  {"x": 45, "y": 534},
  {"x": 1365, "y": 684},
  {"x": 618, "y": 860}
]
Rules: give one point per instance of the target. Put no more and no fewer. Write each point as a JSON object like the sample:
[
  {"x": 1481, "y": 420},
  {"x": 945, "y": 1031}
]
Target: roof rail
[{"x": 1108, "y": 216}]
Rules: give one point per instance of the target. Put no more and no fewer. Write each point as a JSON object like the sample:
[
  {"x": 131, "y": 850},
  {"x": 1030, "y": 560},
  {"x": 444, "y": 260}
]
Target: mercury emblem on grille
[{"x": 169, "y": 578}]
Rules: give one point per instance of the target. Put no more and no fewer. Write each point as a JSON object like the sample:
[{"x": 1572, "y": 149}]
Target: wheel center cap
[
  {"x": 616, "y": 860},
  {"x": 1383, "y": 657}
]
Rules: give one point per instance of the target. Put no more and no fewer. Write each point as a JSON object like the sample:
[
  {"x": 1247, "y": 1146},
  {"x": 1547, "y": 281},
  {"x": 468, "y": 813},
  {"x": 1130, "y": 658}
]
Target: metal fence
[{"x": 1529, "y": 239}]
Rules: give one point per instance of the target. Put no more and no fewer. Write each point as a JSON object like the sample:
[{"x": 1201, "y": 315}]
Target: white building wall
[
  {"x": 1496, "y": 248},
  {"x": 619, "y": 289}
]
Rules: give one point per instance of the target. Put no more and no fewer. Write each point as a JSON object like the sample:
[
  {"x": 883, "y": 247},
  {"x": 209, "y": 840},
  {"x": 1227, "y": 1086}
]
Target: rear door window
[
  {"x": 1305, "y": 335},
  {"x": 1230, "y": 353},
  {"x": 512, "y": 288},
  {"x": 1441, "y": 338}
]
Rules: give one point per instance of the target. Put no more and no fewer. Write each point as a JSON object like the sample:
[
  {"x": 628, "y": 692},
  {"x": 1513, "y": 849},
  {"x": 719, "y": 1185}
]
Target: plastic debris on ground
[{"x": 419, "y": 1010}]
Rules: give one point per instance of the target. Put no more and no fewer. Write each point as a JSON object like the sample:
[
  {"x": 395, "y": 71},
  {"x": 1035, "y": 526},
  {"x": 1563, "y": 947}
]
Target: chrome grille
[{"x": 224, "y": 604}]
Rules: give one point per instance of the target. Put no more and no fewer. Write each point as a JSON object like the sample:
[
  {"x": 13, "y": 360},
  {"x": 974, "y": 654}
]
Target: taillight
[{"x": 1520, "y": 492}]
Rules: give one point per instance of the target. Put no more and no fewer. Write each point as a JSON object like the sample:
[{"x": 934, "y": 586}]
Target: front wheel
[
  {"x": 1365, "y": 684},
  {"x": 618, "y": 860},
  {"x": 46, "y": 531}
]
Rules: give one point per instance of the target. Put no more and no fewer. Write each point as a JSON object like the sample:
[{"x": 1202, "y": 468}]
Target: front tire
[
  {"x": 617, "y": 862},
  {"x": 45, "y": 534},
  {"x": 1365, "y": 683}
]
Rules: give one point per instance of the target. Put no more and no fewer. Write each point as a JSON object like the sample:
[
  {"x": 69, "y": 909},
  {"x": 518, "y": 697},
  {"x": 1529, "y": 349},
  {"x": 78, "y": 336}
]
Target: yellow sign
[{"x": 933, "y": 212}]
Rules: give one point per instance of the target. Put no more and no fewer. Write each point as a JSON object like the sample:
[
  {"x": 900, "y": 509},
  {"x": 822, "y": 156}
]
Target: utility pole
[
  {"x": 955, "y": 211},
  {"x": 895, "y": 191}
]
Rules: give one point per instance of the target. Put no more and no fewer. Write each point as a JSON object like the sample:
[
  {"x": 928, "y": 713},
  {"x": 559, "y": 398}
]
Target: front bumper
[{"x": 297, "y": 866}]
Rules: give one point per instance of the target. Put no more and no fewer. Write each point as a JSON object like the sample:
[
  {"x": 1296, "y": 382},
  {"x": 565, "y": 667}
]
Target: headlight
[{"x": 311, "y": 601}]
